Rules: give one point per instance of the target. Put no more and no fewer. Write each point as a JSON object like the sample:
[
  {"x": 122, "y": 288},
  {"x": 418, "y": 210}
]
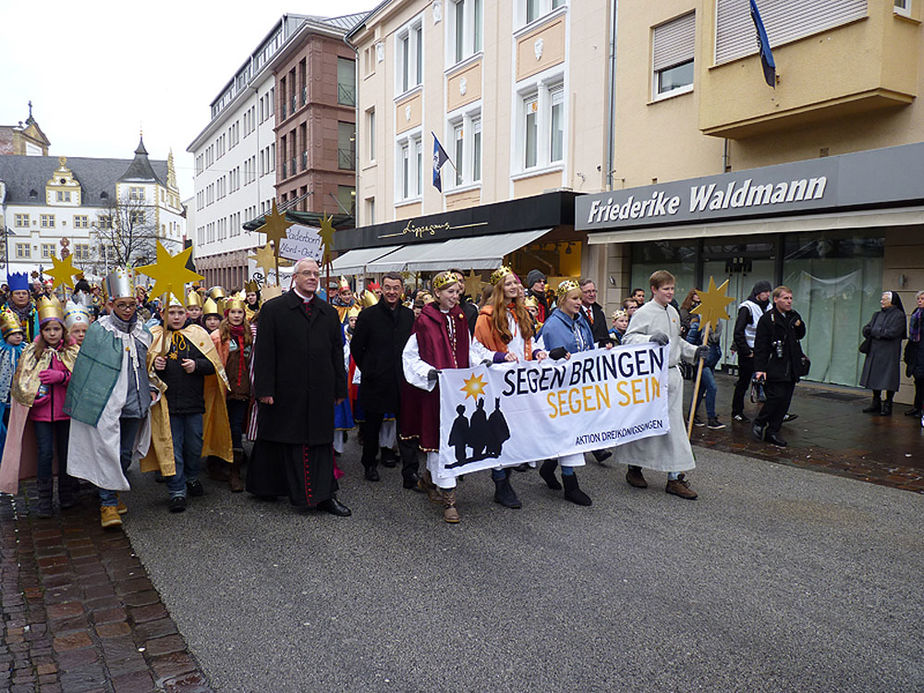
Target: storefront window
[{"x": 678, "y": 258}]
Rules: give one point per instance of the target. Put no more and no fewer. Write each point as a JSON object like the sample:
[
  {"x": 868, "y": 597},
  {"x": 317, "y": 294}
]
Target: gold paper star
[
  {"x": 275, "y": 226},
  {"x": 265, "y": 259},
  {"x": 63, "y": 272},
  {"x": 327, "y": 237},
  {"x": 713, "y": 302},
  {"x": 170, "y": 273},
  {"x": 473, "y": 285},
  {"x": 473, "y": 387}
]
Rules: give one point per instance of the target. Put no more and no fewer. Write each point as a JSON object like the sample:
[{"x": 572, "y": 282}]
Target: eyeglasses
[{"x": 308, "y": 273}]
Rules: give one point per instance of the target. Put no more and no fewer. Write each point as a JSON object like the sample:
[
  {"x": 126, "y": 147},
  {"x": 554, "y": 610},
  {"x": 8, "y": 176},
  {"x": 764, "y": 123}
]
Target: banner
[
  {"x": 510, "y": 413},
  {"x": 301, "y": 241}
]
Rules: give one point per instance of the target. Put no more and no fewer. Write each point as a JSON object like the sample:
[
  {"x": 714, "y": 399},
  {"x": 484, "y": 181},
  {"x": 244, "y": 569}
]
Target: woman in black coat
[
  {"x": 881, "y": 370},
  {"x": 914, "y": 355}
]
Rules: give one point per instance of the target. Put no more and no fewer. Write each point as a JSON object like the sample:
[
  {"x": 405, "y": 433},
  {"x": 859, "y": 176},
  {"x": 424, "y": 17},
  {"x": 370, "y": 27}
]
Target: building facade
[
  {"x": 254, "y": 132},
  {"x": 105, "y": 212},
  {"x": 24, "y": 138}
]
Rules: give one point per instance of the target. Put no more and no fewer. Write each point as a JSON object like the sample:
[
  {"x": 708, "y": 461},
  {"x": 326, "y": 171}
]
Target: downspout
[
  {"x": 611, "y": 106},
  {"x": 357, "y": 150}
]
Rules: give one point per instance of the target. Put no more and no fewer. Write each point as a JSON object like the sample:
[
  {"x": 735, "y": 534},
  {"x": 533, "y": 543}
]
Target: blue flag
[
  {"x": 766, "y": 55},
  {"x": 440, "y": 157}
]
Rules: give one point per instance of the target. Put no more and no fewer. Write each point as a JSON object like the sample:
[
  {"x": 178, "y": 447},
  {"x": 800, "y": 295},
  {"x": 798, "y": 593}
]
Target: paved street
[{"x": 778, "y": 578}]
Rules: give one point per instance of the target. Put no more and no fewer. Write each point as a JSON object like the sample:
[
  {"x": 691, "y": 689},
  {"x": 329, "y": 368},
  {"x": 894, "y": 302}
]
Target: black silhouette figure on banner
[
  {"x": 458, "y": 435},
  {"x": 478, "y": 432},
  {"x": 499, "y": 431}
]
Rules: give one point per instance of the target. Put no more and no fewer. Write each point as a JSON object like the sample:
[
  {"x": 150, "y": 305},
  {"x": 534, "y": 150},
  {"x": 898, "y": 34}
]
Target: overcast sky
[{"x": 100, "y": 71}]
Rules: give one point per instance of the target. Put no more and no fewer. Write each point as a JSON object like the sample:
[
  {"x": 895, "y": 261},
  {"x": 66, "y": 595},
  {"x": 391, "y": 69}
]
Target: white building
[{"x": 88, "y": 207}]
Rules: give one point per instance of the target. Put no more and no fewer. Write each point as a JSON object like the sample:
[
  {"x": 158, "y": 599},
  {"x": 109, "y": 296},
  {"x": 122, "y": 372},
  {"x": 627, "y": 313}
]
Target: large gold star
[
  {"x": 713, "y": 302},
  {"x": 275, "y": 226},
  {"x": 327, "y": 237},
  {"x": 170, "y": 273},
  {"x": 473, "y": 285},
  {"x": 473, "y": 387},
  {"x": 63, "y": 272},
  {"x": 265, "y": 259}
]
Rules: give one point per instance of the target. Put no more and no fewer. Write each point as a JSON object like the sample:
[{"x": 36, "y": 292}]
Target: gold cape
[
  {"x": 26, "y": 381},
  {"x": 216, "y": 431}
]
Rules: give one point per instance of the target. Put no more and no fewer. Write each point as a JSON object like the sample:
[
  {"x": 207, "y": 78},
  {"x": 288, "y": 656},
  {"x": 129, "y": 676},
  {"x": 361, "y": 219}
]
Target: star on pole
[
  {"x": 473, "y": 387},
  {"x": 170, "y": 273},
  {"x": 62, "y": 272},
  {"x": 473, "y": 284},
  {"x": 265, "y": 258},
  {"x": 327, "y": 237},
  {"x": 713, "y": 302},
  {"x": 275, "y": 227}
]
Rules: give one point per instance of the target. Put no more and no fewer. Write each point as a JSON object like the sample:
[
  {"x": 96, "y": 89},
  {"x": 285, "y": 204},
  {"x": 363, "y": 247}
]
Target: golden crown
[
  {"x": 50, "y": 309},
  {"x": 500, "y": 273},
  {"x": 9, "y": 323},
  {"x": 236, "y": 302},
  {"x": 353, "y": 312},
  {"x": 210, "y": 307},
  {"x": 251, "y": 286},
  {"x": 567, "y": 286},
  {"x": 193, "y": 299},
  {"x": 369, "y": 298},
  {"x": 531, "y": 302},
  {"x": 444, "y": 279}
]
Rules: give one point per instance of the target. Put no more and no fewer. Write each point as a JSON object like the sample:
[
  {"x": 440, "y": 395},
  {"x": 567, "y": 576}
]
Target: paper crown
[
  {"x": 217, "y": 292},
  {"x": 173, "y": 301},
  {"x": 236, "y": 302},
  {"x": 50, "y": 309},
  {"x": 531, "y": 302},
  {"x": 270, "y": 291},
  {"x": 444, "y": 279},
  {"x": 120, "y": 283},
  {"x": 82, "y": 298},
  {"x": 75, "y": 314},
  {"x": 17, "y": 281},
  {"x": 193, "y": 299},
  {"x": 372, "y": 286},
  {"x": 567, "y": 286},
  {"x": 500, "y": 273},
  {"x": 251, "y": 287},
  {"x": 210, "y": 307},
  {"x": 344, "y": 284},
  {"x": 619, "y": 314},
  {"x": 9, "y": 323},
  {"x": 353, "y": 312},
  {"x": 369, "y": 298}
]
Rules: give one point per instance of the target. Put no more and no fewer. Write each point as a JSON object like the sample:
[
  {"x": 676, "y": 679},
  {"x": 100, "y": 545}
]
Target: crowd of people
[{"x": 112, "y": 376}]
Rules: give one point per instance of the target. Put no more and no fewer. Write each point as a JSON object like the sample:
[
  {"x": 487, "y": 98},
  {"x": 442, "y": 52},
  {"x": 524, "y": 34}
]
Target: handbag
[
  {"x": 804, "y": 366},
  {"x": 865, "y": 344}
]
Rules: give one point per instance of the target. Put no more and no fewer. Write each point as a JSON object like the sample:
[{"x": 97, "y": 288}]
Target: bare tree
[{"x": 125, "y": 233}]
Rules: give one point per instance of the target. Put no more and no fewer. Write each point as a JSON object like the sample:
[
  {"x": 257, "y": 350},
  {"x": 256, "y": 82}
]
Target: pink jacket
[{"x": 49, "y": 403}]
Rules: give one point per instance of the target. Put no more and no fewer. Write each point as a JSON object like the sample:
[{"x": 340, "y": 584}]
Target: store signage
[
  {"x": 866, "y": 178},
  {"x": 428, "y": 229}
]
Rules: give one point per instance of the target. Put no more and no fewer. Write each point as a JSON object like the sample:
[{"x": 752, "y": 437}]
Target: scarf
[
  {"x": 237, "y": 334},
  {"x": 917, "y": 317},
  {"x": 23, "y": 313}
]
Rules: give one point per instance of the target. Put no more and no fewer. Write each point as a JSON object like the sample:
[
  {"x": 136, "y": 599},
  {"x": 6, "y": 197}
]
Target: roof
[
  {"x": 24, "y": 173},
  {"x": 344, "y": 22},
  {"x": 365, "y": 16},
  {"x": 140, "y": 170},
  {"x": 338, "y": 221}
]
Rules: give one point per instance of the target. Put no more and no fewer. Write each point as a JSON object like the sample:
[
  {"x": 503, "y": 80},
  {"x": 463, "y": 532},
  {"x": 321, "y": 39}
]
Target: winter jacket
[
  {"x": 882, "y": 367},
  {"x": 49, "y": 401},
  {"x": 781, "y": 365},
  {"x": 185, "y": 390}
]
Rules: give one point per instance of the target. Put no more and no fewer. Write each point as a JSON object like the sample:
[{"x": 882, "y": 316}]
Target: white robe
[
  {"x": 670, "y": 452},
  {"x": 93, "y": 451}
]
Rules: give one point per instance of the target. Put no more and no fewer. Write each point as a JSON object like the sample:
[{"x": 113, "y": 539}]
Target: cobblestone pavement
[
  {"x": 79, "y": 613},
  {"x": 831, "y": 435}
]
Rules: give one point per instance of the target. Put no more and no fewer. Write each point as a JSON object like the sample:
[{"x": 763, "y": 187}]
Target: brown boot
[
  {"x": 680, "y": 487},
  {"x": 425, "y": 483},
  {"x": 634, "y": 477},
  {"x": 235, "y": 480},
  {"x": 450, "y": 514}
]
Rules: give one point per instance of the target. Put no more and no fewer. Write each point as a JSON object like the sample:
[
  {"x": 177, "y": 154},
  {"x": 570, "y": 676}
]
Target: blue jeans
[
  {"x": 128, "y": 431},
  {"x": 46, "y": 434},
  {"x": 707, "y": 390},
  {"x": 186, "y": 430}
]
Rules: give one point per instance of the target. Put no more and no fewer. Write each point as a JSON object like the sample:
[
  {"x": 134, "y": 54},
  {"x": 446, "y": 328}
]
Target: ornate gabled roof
[{"x": 140, "y": 170}]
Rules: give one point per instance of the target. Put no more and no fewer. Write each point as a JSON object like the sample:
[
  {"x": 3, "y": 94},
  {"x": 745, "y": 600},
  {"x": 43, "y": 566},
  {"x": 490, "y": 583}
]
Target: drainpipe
[
  {"x": 357, "y": 152},
  {"x": 611, "y": 106}
]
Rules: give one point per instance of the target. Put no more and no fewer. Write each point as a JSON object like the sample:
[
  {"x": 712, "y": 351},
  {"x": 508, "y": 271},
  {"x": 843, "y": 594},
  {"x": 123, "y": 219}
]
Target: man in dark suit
[
  {"x": 298, "y": 378},
  {"x": 379, "y": 337}
]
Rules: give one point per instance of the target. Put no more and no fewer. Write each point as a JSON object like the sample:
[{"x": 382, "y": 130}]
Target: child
[
  {"x": 39, "y": 389},
  {"x": 211, "y": 316},
  {"x": 76, "y": 320},
  {"x": 194, "y": 308},
  {"x": 10, "y": 351},
  {"x": 620, "y": 325}
]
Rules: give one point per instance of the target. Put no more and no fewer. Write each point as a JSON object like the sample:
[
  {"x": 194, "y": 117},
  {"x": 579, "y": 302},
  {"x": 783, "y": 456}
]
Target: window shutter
[
  {"x": 784, "y": 20},
  {"x": 673, "y": 42}
]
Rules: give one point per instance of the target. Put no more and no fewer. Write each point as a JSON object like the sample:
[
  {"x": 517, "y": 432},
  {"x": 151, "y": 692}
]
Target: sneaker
[
  {"x": 714, "y": 424},
  {"x": 121, "y": 508},
  {"x": 109, "y": 516},
  {"x": 680, "y": 487},
  {"x": 740, "y": 418},
  {"x": 195, "y": 488},
  {"x": 789, "y": 417},
  {"x": 698, "y": 422},
  {"x": 178, "y": 504}
]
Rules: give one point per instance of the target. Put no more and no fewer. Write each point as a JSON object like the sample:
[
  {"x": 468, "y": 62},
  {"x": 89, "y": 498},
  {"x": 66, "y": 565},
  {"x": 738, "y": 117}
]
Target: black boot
[
  {"x": 572, "y": 492},
  {"x": 389, "y": 458},
  {"x": 45, "y": 505},
  {"x": 503, "y": 491},
  {"x": 875, "y": 406},
  {"x": 547, "y": 472},
  {"x": 886, "y": 409},
  {"x": 68, "y": 487}
]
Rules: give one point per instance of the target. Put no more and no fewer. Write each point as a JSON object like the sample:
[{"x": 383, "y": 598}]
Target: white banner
[
  {"x": 510, "y": 413},
  {"x": 301, "y": 241}
]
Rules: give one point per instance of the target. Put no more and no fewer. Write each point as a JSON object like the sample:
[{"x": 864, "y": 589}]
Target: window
[
  {"x": 346, "y": 146},
  {"x": 902, "y": 7},
  {"x": 81, "y": 221},
  {"x": 370, "y": 211},
  {"x": 784, "y": 20},
  {"x": 21, "y": 221},
  {"x": 136, "y": 217},
  {"x": 464, "y": 29},
  {"x": 136, "y": 194},
  {"x": 23, "y": 251},
  {"x": 81, "y": 251},
  {"x": 346, "y": 82},
  {"x": 476, "y": 149},
  {"x": 465, "y": 139},
  {"x": 532, "y": 131},
  {"x": 346, "y": 199},
  {"x": 531, "y": 10},
  {"x": 63, "y": 196},
  {"x": 557, "y": 130},
  {"x": 409, "y": 56},
  {"x": 370, "y": 132},
  {"x": 410, "y": 168},
  {"x": 542, "y": 123},
  {"x": 672, "y": 48},
  {"x": 48, "y": 251},
  {"x": 47, "y": 221},
  {"x": 104, "y": 221},
  {"x": 459, "y": 143}
]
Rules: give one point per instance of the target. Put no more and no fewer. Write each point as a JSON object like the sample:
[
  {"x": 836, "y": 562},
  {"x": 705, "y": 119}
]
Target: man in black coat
[
  {"x": 378, "y": 340},
  {"x": 298, "y": 378},
  {"x": 778, "y": 361}
]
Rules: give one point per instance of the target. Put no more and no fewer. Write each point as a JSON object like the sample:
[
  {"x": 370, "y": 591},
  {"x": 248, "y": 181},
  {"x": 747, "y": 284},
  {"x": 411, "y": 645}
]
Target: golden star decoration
[
  {"x": 473, "y": 387},
  {"x": 275, "y": 227},
  {"x": 327, "y": 237},
  {"x": 170, "y": 273},
  {"x": 713, "y": 303},
  {"x": 63, "y": 272},
  {"x": 473, "y": 285},
  {"x": 265, "y": 258}
]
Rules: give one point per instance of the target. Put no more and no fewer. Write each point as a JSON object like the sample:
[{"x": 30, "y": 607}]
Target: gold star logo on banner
[
  {"x": 275, "y": 226},
  {"x": 63, "y": 272},
  {"x": 713, "y": 302},
  {"x": 327, "y": 237},
  {"x": 170, "y": 273},
  {"x": 265, "y": 258},
  {"x": 473, "y": 285},
  {"x": 473, "y": 387}
]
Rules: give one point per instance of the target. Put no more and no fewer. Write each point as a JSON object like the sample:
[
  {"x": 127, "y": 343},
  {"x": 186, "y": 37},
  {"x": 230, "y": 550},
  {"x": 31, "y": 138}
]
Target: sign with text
[
  {"x": 301, "y": 241},
  {"x": 510, "y": 413}
]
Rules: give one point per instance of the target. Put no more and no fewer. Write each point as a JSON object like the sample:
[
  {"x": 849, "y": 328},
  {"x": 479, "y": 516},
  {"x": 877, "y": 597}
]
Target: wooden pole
[{"x": 696, "y": 384}]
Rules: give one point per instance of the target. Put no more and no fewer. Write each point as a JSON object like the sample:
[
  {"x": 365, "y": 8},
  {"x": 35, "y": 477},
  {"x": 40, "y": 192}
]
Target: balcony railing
[
  {"x": 346, "y": 95},
  {"x": 346, "y": 159}
]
